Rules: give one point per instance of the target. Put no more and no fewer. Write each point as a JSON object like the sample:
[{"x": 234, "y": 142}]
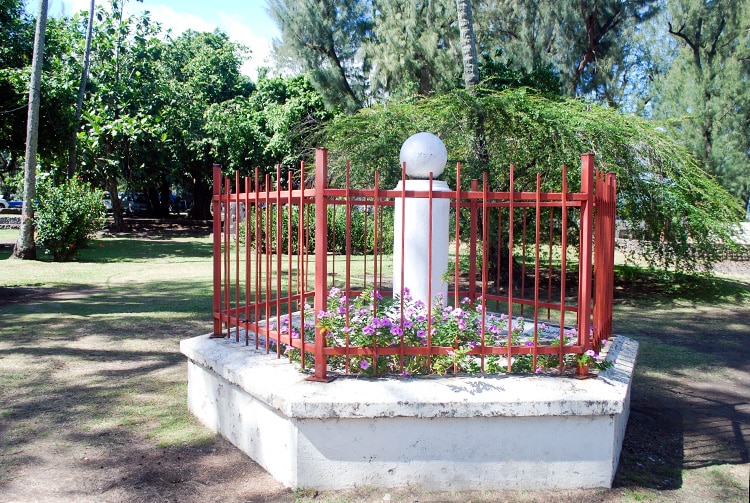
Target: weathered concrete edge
[{"x": 282, "y": 387}]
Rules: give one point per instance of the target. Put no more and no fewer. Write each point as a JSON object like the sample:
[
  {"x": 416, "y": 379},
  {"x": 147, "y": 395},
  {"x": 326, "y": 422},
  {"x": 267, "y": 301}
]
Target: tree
[
  {"x": 273, "y": 126},
  {"x": 468, "y": 43},
  {"x": 704, "y": 96},
  {"x": 25, "y": 246},
  {"x": 585, "y": 42},
  {"x": 676, "y": 211},
  {"x": 17, "y": 34},
  {"x": 81, "y": 91},
  {"x": 324, "y": 37},
  {"x": 199, "y": 70},
  {"x": 412, "y": 48},
  {"x": 123, "y": 134}
]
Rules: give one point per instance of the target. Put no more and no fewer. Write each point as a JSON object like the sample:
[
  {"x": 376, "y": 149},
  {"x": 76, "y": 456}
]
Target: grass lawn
[{"x": 91, "y": 378}]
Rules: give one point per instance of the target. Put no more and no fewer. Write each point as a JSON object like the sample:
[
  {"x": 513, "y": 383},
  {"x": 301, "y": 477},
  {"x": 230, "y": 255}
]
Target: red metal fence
[{"x": 530, "y": 280}]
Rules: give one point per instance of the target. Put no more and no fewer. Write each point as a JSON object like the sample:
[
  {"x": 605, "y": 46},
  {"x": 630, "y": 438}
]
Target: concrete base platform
[{"x": 459, "y": 433}]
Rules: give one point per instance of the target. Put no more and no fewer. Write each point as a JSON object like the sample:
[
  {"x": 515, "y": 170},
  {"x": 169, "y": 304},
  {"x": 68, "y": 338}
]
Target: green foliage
[
  {"x": 360, "y": 230},
  {"x": 324, "y": 37},
  {"x": 268, "y": 128},
  {"x": 413, "y": 48},
  {"x": 677, "y": 211},
  {"x": 704, "y": 96},
  {"x": 67, "y": 216}
]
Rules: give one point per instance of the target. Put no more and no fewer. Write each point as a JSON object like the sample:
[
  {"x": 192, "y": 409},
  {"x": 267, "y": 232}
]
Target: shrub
[{"x": 67, "y": 216}]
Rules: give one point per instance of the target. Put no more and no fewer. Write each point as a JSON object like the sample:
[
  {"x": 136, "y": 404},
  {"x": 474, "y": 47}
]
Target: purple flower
[
  {"x": 342, "y": 310},
  {"x": 591, "y": 353},
  {"x": 364, "y": 365},
  {"x": 368, "y": 330},
  {"x": 324, "y": 314},
  {"x": 396, "y": 330}
]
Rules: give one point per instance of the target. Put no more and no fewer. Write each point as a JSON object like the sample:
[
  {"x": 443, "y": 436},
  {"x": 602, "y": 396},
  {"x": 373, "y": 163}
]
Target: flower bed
[{"x": 459, "y": 336}]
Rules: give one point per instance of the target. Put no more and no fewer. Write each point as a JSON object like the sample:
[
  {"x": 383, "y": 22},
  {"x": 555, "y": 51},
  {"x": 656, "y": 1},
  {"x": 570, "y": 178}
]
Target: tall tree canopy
[
  {"x": 705, "y": 94},
  {"x": 674, "y": 208},
  {"x": 325, "y": 38}
]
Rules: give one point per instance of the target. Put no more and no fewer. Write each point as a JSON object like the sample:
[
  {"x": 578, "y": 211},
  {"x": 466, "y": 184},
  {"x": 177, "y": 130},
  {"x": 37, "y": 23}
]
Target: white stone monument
[{"x": 423, "y": 153}]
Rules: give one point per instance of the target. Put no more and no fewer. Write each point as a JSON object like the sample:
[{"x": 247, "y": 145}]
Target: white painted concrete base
[{"x": 438, "y": 433}]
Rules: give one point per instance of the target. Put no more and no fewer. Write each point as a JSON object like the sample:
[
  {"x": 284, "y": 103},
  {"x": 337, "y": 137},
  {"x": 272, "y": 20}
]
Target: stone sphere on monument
[{"x": 424, "y": 153}]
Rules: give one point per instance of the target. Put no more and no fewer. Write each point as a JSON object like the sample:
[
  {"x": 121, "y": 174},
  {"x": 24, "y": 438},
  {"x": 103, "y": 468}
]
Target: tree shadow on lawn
[
  {"x": 114, "y": 250},
  {"x": 140, "y": 310},
  {"x": 637, "y": 286},
  {"x": 690, "y": 406},
  {"x": 129, "y": 249}
]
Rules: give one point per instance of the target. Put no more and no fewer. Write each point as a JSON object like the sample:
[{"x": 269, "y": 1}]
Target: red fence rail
[{"x": 532, "y": 272}]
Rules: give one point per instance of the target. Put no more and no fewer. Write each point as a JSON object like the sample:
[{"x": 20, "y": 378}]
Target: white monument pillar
[{"x": 423, "y": 153}]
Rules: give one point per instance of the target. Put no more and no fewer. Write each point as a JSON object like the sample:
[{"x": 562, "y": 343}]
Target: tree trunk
[
  {"x": 202, "y": 195},
  {"x": 81, "y": 93},
  {"x": 119, "y": 222},
  {"x": 468, "y": 43},
  {"x": 26, "y": 246}
]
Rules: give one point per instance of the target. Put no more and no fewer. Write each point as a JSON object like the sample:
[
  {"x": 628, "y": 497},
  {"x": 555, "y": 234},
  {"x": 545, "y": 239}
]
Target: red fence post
[
  {"x": 604, "y": 257},
  {"x": 216, "y": 205},
  {"x": 321, "y": 261},
  {"x": 584, "y": 259}
]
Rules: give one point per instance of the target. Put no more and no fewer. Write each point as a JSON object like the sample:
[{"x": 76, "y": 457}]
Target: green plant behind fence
[{"x": 360, "y": 228}]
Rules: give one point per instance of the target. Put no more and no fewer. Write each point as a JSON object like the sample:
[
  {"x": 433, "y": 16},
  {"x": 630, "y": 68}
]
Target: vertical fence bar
[
  {"x": 279, "y": 250},
  {"x": 585, "y": 265},
  {"x": 247, "y": 266},
  {"x": 348, "y": 280},
  {"x": 511, "y": 202},
  {"x": 256, "y": 262},
  {"x": 216, "y": 206},
  {"x": 473, "y": 243},
  {"x": 301, "y": 265},
  {"x": 456, "y": 265},
  {"x": 485, "y": 253},
  {"x": 523, "y": 261},
  {"x": 321, "y": 259},
  {"x": 237, "y": 255},
  {"x": 227, "y": 257},
  {"x": 563, "y": 259},
  {"x": 537, "y": 282},
  {"x": 289, "y": 251}
]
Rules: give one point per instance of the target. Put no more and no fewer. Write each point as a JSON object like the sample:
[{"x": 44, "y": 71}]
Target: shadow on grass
[
  {"x": 636, "y": 285},
  {"x": 690, "y": 406},
  {"x": 138, "y": 308},
  {"x": 115, "y": 250},
  {"x": 130, "y": 249}
]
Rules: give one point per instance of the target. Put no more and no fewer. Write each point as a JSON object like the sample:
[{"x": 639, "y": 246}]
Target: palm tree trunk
[
  {"x": 468, "y": 43},
  {"x": 26, "y": 246}
]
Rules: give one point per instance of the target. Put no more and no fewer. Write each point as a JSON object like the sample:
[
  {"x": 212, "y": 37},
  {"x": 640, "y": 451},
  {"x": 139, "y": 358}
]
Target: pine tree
[
  {"x": 705, "y": 92},
  {"x": 413, "y": 48},
  {"x": 325, "y": 38}
]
